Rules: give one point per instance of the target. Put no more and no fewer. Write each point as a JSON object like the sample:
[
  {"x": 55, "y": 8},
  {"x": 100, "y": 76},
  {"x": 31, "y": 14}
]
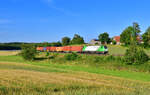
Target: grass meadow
[
  {"x": 120, "y": 50},
  {"x": 87, "y": 75}
]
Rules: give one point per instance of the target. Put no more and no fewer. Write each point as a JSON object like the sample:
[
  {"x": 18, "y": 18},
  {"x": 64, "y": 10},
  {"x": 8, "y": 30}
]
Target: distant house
[
  {"x": 95, "y": 42},
  {"x": 117, "y": 39},
  {"x": 139, "y": 39}
]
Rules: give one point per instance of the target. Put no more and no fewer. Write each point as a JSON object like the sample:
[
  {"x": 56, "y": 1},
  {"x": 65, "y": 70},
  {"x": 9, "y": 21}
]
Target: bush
[
  {"x": 53, "y": 55},
  {"x": 72, "y": 56},
  {"x": 47, "y": 54},
  {"x": 98, "y": 59},
  {"x": 110, "y": 58},
  {"x": 114, "y": 42},
  {"x": 135, "y": 55},
  {"x": 28, "y": 52}
]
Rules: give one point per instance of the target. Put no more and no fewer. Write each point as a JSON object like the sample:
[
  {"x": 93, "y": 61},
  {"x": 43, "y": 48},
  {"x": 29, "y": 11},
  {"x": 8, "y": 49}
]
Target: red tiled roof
[
  {"x": 139, "y": 39},
  {"x": 117, "y": 38}
]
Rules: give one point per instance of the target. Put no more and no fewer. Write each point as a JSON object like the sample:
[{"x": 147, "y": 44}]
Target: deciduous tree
[
  {"x": 28, "y": 52},
  {"x": 104, "y": 37},
  {"x": 125, "y": 36},
  {"x": 77, "y": 39},
  {"x": 65, "y": 41},
  {"x": 146, "y": 37},
  {"x": 135, "y": 55}
]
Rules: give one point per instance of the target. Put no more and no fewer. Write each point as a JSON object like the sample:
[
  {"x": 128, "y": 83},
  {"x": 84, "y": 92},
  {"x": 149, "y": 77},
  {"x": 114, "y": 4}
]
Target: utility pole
[{"x": 134, "y": 31}]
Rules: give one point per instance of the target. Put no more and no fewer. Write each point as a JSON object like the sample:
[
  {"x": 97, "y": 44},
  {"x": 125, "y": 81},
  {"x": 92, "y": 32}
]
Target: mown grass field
[
  {"x": 61, "y": 77},
  {"x": 6, "y": 53},
  {"x": 56, "y": 81}
]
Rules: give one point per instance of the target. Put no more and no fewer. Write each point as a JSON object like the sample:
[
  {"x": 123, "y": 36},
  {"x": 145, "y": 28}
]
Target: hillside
[
  {"x": 44, "y": 77},
  {"x": 27, "y": 79}
]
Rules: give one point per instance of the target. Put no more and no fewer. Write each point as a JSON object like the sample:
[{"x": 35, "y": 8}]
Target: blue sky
[{"x": 50, "y": 20}]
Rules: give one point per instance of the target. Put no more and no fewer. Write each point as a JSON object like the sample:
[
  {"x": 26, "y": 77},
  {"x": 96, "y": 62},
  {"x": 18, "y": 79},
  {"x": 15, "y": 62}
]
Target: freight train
[{"x": 78, "y": 49}]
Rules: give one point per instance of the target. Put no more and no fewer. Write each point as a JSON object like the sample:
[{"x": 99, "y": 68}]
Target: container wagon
[{"x": 79, "y": 49}]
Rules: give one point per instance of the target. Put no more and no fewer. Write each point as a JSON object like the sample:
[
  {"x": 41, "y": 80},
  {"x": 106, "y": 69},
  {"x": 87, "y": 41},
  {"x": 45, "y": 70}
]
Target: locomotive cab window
[{"x": 105, "y": 47}]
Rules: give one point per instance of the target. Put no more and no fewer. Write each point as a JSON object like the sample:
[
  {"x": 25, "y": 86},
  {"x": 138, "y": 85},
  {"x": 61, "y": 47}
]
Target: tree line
[
  {"x": 126, "y": 36},
  {"x": 76, "y": 40},
  {"x": 104, "y": 38}
]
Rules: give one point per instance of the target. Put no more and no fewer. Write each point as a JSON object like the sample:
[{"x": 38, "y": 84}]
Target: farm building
[
  {"x": 117, "y": 39},
  {"x": 139, "y": 39},
  {"x": 95, "y": 42}
]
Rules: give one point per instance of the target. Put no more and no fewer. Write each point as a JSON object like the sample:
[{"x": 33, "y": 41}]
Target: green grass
[
  {"x": 76, "y": 67},
  {"x": 116, "y": 50},
  {"x": 37, "y": 68},
  {"x": 124, "y": 74},
  {"x": 11, "y": 58}
]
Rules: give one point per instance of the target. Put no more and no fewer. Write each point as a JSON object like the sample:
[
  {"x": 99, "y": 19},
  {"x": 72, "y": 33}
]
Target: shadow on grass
[
  {"x": 40, "y": 58},
  {"x": 43, "y": 58}
]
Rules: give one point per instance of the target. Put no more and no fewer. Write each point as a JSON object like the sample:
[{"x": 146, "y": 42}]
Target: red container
[
  {"x": 39, "y": 48},
  {"x": 66, "y": 48},
  {"x": 48, "y": 48},
  {"x": 59, "y": 49},
  {"x": 76, "y": 48},
  {"x": 53, "y": 49}
]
